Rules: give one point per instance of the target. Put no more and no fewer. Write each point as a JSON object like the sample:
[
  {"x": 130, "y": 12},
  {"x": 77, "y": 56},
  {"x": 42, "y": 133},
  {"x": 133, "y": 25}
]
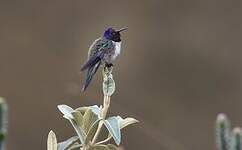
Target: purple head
[{"x": 113, "y": 35}]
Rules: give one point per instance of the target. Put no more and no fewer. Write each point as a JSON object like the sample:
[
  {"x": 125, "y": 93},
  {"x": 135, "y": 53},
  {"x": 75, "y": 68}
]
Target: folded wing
[{"x": 95, "y": 56}]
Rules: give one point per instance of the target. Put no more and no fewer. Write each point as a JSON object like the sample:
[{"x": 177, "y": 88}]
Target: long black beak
[{"x": 122, "y": 29}]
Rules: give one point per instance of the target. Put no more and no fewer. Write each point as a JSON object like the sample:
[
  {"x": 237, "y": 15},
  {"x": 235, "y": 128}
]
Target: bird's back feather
[{"x": 96, "y": 53}]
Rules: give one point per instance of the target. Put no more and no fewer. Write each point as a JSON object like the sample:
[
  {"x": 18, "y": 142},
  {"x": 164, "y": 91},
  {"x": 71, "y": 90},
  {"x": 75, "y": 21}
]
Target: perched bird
[{"x": 103, "y": 51}]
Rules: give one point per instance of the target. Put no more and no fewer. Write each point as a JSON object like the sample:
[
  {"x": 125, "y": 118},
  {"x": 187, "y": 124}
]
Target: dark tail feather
[
  {"x": 90, "y": 73},
  {"x": 90, "y": 63},
  {"x": 93, "y": 60}
]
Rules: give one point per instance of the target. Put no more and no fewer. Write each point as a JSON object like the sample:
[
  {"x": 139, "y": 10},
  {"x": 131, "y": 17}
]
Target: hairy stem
[
  {"x": 108, "y": 89},
  {"x": 106, "y": 104}
]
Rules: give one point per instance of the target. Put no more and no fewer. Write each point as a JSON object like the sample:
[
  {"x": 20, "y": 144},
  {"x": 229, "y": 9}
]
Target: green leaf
[
  {"x": 82, "y": 110},
  {"x": 112, "y": 147},
  {"x": 88, "y": 119},
  {"x": 92, "y": 131},
  {"x": 2, "y": 136},
  {"x": 112, "y": 124},
  {"x": 81, "y": 134},
  {"x": 68, "y": 143},
  {"x": 94, "y": 108},
  {"x": 126, "y": 122},
  {"x": 108, "y": 84},
  {"x": 77, "y": 116},
  {"x": 66, "y": 111},
  {"x": 99, "y": 147},
  {"x": 51, "y": 141}
]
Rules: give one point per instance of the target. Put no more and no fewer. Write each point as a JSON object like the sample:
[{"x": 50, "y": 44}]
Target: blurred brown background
[{"x": 180, "y": 66}]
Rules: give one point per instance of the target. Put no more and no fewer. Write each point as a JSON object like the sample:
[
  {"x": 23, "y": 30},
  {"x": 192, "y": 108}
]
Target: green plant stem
[{"x": 106, "y": 104}]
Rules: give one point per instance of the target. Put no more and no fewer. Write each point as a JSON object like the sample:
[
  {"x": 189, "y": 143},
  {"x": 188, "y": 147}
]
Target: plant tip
[
  {"x": 221, "y": 117},
  {"x": 51, "y": 131},
  {"x": 237, "y": 130}
]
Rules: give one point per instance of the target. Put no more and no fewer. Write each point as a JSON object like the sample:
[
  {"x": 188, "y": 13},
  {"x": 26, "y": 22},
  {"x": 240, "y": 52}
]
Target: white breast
[{"x": 117, "y": 49}]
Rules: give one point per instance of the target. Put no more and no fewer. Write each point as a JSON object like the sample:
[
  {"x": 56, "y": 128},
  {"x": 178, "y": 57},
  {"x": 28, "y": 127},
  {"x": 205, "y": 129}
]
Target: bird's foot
[
  {"x": 109, "y": 65},
  {"x": 108, "y": 68}
]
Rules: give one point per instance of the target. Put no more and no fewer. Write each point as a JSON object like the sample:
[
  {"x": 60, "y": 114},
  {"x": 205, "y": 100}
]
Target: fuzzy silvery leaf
[
  {"x": 68, "y": 143},
  {"x": 88, "y": 119},
  {"x": 51, "y": 141},
  {"x": 112, "y": 147},
  {"x": 80, "y": 132},
  {"x": 126, "y": 122},
  {"x": 99, "y": 147},
  {"x": 82, "y": 110},
  {"x": 77, "y": 116},
  {"x": 108, "y": 84},
  {"x": 66, "y": 111},
  {"x": 96, "y": 110},
  {"x": 112, "y": 124},
  {"x": 92, "y": 131}
]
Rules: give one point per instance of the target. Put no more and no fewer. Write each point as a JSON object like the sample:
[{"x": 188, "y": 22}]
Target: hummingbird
[{"x": 104, "y": 52}]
